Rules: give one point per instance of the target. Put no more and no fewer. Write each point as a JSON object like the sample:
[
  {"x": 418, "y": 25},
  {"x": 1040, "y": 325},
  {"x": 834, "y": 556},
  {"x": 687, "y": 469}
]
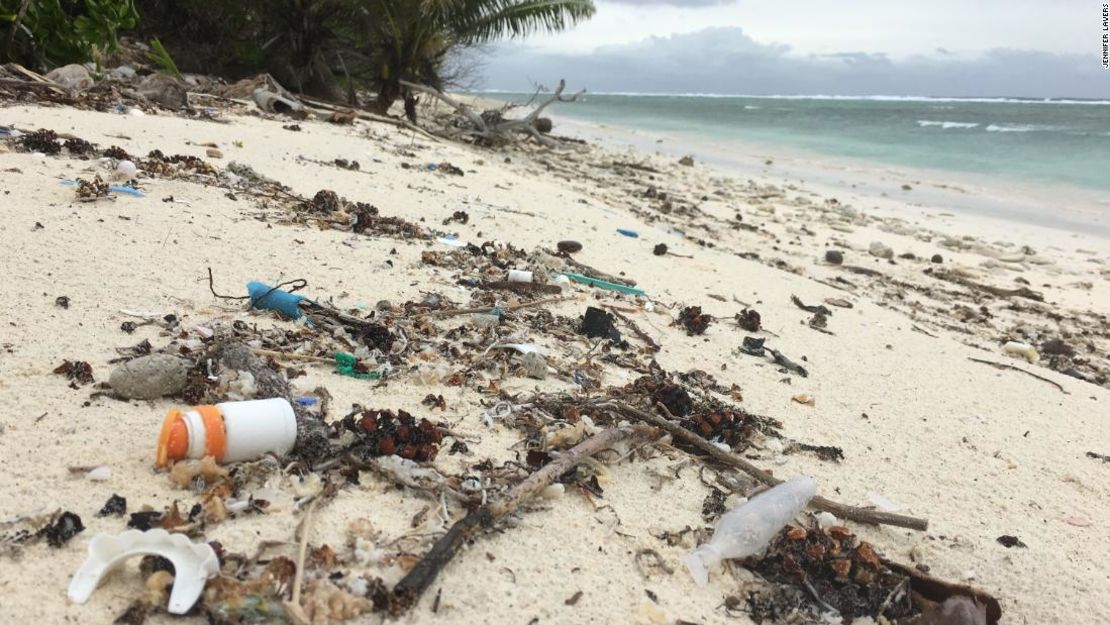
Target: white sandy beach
[{"x": 980, "y": 452}]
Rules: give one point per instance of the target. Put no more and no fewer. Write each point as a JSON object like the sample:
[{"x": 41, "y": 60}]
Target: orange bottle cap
[{"x": 173, "y": 442}]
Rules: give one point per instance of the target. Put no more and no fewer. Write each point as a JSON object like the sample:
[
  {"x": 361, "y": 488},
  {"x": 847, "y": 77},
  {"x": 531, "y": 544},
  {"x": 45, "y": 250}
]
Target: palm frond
[{"x": 484, "y": 20}]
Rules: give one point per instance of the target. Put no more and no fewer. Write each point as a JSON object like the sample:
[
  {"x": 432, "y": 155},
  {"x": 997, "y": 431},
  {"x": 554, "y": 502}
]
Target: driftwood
[
  {"x": 861, "y": 515},
  {"x": 500, "y": 130},
  {"x": 1025, "y": 292},
  {"x": 408, "y": 591},
  {"x": 1002, "y": 365}
]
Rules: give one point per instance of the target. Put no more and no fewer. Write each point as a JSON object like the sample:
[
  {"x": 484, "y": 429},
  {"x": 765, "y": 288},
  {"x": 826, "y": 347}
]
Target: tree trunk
[
  {"x": 388, "y": 93},
  {"x": 410, "y": 106}
]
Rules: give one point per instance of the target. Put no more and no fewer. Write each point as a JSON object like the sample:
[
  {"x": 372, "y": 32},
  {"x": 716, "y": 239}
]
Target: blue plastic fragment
[
  {"x": 127, "y": 190},
  {"x": 265, "y": 297},
  {"x": 305, "y": 401},
  {"x": 114, "y": 187},
  {"x": 629, "y": 233}
]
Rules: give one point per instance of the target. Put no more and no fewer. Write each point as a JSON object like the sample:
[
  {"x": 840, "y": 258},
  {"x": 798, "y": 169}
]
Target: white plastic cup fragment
[
  {"x": 193, "y": 563},
  {"x": 746, "y": 530}
]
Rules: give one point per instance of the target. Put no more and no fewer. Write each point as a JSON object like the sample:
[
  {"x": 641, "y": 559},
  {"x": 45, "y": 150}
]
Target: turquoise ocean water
[{"x": 1050, "y": 142}]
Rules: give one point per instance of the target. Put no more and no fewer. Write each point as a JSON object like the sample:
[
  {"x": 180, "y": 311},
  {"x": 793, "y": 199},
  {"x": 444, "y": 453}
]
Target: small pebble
[
  {"x": 937, "y": 258},
  {"x": 660, "y": 250},
  {"x": 99, "y": 474},
  {"x": 834, "y": 257},
  {"x": 214, "y": 153},
  {"x": 569, "y": 247}
]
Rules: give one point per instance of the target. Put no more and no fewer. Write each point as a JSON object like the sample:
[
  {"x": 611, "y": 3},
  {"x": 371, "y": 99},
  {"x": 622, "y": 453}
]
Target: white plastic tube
[
  {"x": 242, "y": 430},
  {"x": 518, "y": 275},
  {"x": 746, "y": 530}
]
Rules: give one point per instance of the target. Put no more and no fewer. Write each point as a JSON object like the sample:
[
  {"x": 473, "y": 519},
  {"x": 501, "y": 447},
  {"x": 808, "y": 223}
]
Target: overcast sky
[{"x": 1034, "y": 48}]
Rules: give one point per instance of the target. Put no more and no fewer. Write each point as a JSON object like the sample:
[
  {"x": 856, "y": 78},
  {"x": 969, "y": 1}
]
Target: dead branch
[
  {"x": 861, "y": 515},
  {"x": 408, "y": 591},
  {"x": 498, "y": 131},
  {"x": 1002, "y": 365},
  {"x": 1025, "y": 292}
]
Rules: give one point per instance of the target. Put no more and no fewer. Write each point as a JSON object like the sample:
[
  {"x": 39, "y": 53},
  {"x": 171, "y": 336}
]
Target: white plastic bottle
[
  {"x": 230, "y": 432},
  {"x": 747, "y": 530}
]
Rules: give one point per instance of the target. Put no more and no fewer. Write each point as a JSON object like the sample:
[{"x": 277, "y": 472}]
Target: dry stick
[
  {"x": 293, "y": 607},
  {"x": 407, "y": 591},
  {"x": 644, "y": 336},
  {"x": 1002, "y": 365},
  {"x": 292, "y": 356},
  {"x": 861, "y": 515},
  {"x": 1025, "y": 292},
  {"x": 482, "y": 309}
]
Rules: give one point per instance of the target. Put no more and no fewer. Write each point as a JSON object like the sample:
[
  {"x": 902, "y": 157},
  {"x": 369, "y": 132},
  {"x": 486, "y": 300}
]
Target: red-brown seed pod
[
  {"x": 407, "y": 452},
  {"x": 867, "y": 554},
  {"x": 815, "y": 551},
  {"x": 839, "y": 532},
  {"x": 795, "y": 533},
  {"x": 404, "y": 433},
  {"x": 386, "y": 446},
  {"x": 841, "y": 568},
  {"x": 368, "y": 423}
]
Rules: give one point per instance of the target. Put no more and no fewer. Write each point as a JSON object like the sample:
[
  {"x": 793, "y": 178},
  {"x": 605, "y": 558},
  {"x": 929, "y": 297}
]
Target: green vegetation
[
  {"x": 48, "y": 33},
  {"x": 318, "y": 47}
]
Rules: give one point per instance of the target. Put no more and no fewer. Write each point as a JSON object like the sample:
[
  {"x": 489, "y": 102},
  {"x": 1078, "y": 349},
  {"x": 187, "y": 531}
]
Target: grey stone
[{"x": 150, "y": 377}]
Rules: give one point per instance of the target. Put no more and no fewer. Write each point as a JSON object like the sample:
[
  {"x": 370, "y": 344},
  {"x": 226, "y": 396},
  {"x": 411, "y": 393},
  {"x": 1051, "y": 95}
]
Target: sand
[{"x": 980, "y": 452}]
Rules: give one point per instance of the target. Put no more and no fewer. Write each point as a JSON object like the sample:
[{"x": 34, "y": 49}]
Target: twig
[
  {"x": 635, "y": 329},
  {"x": 1002, "y": 365},
  {"x": 214, "y": 293},
  {"x": 485, "y": 309},
  {"x": 293, "y": 607},
  {"x": 408, "y": 591},
  {"x": 1025, "y": 292},
  {"x": 292, "y": 356},
  {"x": 861, "y": 515}
]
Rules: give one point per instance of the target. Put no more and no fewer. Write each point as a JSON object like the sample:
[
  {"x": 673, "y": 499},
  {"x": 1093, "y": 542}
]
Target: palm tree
[{"x": 412, "y": 37}]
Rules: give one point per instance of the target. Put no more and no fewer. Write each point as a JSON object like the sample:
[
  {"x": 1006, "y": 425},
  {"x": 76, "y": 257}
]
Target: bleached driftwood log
[{"x": 497, "y": 131}]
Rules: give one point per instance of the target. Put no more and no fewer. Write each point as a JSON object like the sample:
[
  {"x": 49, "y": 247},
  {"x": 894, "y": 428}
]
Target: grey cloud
[{"x": 726, "y": 60}]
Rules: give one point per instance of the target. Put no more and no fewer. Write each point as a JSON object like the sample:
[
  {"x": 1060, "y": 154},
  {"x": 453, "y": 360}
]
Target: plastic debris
[
  {"x": 193, "y": 563},
  {"x": 150, "y": 377},
  {"x": 230, "y": 432},
  {"x": 602, "y": 284},
  {"x": 749, "y": 528},
  {"x": 517, "y": 275},
  {"x": 1022, "y": 350},
  {"x": 628, "y": 233},
  {"x": 265, "y": 297},
  {"x": 347, "y": 364}
]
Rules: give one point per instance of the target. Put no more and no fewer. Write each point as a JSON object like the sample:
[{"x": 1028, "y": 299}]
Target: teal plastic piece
[
  {"x": 345, "y": 365},
  {"x": 602, "y": 284},
  {"x": 265, "y": 297}
]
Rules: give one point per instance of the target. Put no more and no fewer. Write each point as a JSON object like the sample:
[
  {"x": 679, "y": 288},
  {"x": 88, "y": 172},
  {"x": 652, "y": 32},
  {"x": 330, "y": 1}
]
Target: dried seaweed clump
[
  {"x": 92, "y": 189},
  {"x": 367, "y": 219},
  {"x": 77, "y": 370},
  {"x": 675, "y": 398},
  {"x": 325, "y": 201},
  {"x": 41, "y": 140},
  {"x": 157, "y": 162},
  {"x": 694, "y": 320},
  {"x": 749, "y": 319},
  {"x": 731, "y": 427},
  {"x": 845, "y": 573},
  {"x": 78, "y": 147},
  {"x": 382, "y": 433}
]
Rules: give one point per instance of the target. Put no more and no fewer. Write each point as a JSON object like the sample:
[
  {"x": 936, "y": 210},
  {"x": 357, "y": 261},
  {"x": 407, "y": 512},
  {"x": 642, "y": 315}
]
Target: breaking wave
[{"x": 925, "y": 123}]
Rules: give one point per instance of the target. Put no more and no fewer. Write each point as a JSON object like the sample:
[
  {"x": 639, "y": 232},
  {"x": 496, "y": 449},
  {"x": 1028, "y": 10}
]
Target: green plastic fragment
[
  {"x": 345, "y": 365},
  {"x": 602, "y": 284}
]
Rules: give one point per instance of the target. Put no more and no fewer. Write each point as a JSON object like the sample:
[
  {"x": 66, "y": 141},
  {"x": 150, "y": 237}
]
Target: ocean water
[{"x": 1049, "y": 142}]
